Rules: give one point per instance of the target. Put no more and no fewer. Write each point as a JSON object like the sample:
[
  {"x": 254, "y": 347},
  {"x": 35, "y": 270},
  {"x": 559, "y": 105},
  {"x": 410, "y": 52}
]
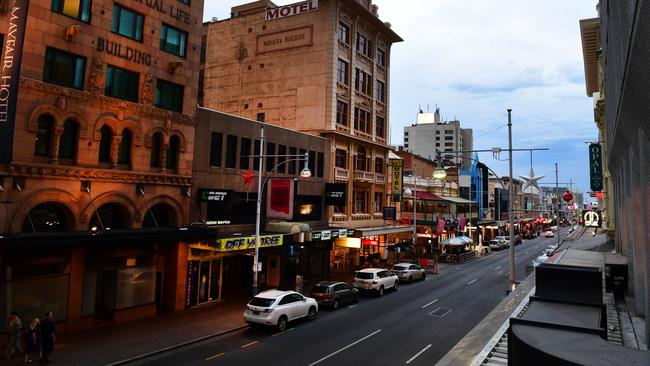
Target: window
[
  {"x": 343, "y": 32},
  {"x": 312, "y": 162},
  {"x": 437, "y": 133},
  {"x": 379, "y": 204},
  {"x": 282, "y": 166},
  {"x": 381, "y": 91},
  {"x": 341, "y": 158},
  {"x": 68, "y": 140},
  {"x": 363, "y": 82},
  {"x": 292, "y": 164},
  {"x": 156, "y": 142},
  {"x": 342, "y": 72},
  {"x": 449, "y": 144},
  {"x": 449, "y": 132},
  {"x": 362, "y": 120},
  {"x": 320, "y": 167},
  {"x": 379, "y": 165},
  {"x": 449, "y": 138},
  {"x": 121, "y": 84},
  {"x": 127, "y": 23},
  {"x": 363, "y": 45},
  {"x": 406, "y": 133},
  {"x": 173, "y": 40},
  {"x": 270, "y": 160},
  {"x": 186, "y": 2},
  {"x": 244, "y": 152},
  {"x": 261, "y": 117},
  {"x": 381, "y": 57},
  {"x": 105, "y": 144},
  {"x": 231, "y": 151},
  {"x": 360, "y": 202},
  {"x": 124, "y": 149},
  {"x": 64, "y": 68},
  {"x": 406, "y": 139},
  {"x": 79, "y": 9},
  {"x": 173, "y": 152},
  {"x": 256, "y": 152},
  {"x": 379, "y": 128},
  {"x": 341, "y": 113},
  {"x": 169, "y": 96},
  {"x": 43, "y": 135},
  {"x": 216, "y": 145},
  {"x": 360, "y": 160}
]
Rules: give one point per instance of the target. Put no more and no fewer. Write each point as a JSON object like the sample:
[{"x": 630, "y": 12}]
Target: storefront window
[{"x": 32, "y": 297}]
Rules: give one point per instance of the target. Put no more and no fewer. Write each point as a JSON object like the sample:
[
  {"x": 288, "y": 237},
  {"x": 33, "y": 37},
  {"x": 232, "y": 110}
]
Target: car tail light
[
  {"x": 375, "y": 282},
  {"x": 268, "y": 310},
  {"x": 328, "y": 296}
]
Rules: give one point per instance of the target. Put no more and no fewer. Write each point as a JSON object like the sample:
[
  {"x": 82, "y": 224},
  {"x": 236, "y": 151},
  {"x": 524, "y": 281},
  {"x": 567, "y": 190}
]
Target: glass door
[
  {"x": 204, "y": 282},
  {"x": 215, "y": 268}
]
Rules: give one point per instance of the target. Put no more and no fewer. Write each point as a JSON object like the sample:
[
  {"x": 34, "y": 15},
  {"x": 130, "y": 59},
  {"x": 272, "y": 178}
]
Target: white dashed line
[
  {"x": 417, "y": 354},
  {"x": 432, "y": 302},
  {"x": 344, "y": 348},
  {"x": 497, "y": 268},
  {"x": 472, "y": 281}
]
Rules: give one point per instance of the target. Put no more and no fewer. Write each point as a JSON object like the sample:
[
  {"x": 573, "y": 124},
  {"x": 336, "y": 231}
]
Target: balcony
[
  {"x": 341, "y": 174},
  {"x": 376, "y": 178}
]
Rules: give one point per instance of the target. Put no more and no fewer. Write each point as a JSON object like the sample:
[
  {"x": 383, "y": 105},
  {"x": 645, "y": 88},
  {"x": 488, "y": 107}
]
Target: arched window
[
  {"x": 48, "y": 217},
  {"x": 44, "y": 135},
  {"x": 124, "y": 151},
  {"x": 361, "y": 158},
  {"x": 164, "y": 215},
  {"x": 112, "y": 215},
  {"x": 68, "y": 142},
  {"x": 156, "y": 141},
  {"x": 105, "y": 144},
  {"x": 172, "y": 152}
]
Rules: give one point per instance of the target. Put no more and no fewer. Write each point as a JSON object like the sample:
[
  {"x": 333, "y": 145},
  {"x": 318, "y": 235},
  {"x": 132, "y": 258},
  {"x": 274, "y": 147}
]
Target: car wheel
[
  {"x": 396, "y": 285},
  {"x": 356, "y": 298},
  {"x": 380, "y": 292},
  {"x": 311, "y": 315},
  {"x": 410, "y": 278},
  {"x": 282, "y": 323},
  {"x": 335, "y": 304},
  {"x": 424, "y": 276}
]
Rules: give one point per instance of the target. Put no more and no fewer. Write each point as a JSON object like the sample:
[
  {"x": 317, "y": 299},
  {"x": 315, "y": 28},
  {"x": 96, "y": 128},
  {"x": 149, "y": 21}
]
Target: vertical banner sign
[
  {"x": 595, "y": 168},
  {"x": 279, "y": 200},
  {"x": 396, "y": 182},
  {"x": 10, "y": 76}
]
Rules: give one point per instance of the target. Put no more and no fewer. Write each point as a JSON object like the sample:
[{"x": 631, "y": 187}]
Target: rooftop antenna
[{"x": 427, "y": 107}]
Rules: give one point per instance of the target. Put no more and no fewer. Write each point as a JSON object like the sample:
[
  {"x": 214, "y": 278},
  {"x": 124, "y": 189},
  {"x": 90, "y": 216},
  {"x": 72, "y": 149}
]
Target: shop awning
[
  {"x": 427, "y": 196},
  {"x": 286, "y": 227},
  {"x": 381, "y": 230},
  {"x": 457, "y": 200}
]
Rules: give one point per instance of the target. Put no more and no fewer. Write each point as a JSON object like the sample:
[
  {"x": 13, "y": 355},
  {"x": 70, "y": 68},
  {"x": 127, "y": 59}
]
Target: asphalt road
[{"x": 416, "y": 325}]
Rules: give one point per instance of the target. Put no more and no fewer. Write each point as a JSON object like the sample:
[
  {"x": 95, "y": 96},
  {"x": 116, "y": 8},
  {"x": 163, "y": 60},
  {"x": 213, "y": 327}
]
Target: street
[{"x": 416, "y": 325}]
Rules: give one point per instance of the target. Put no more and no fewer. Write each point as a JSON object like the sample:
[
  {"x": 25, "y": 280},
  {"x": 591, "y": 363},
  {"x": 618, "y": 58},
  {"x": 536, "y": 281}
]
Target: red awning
[{"x": 428, "y": 196}]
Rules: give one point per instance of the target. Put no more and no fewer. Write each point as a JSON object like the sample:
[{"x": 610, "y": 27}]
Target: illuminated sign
[
  {"x": 397, "y": 179},
  {"x": 213, "y": 195},
  {"x": 595, "y": 167},
  {"x": 390, "y": 213},
  {"x": 348, "y": 242},
  {"x": 336, "y": 194},
  {"x": 291, "y": 10}
]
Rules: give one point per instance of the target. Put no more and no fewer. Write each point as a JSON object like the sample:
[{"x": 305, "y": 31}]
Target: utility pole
[
  {"x": 258, "y": 212},
  {"x": 510, "y": 202}
]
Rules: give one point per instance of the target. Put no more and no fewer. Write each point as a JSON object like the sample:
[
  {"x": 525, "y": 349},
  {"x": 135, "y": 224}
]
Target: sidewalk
[{"x": 120, "y": 342}]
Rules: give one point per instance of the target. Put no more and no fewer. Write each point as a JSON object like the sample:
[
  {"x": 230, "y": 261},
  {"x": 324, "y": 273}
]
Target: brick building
[{"x": 96, "y": 161}]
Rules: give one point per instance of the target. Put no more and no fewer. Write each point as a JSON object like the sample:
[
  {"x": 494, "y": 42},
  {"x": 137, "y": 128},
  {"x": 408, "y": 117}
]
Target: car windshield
[
  {"x": 399, "y": 268},
  {"x": 262, "y": 302},
  {"x": 500, "y": 238},
  {"x": 320, "y": 289},
  {"x": 364, "y": 275}
]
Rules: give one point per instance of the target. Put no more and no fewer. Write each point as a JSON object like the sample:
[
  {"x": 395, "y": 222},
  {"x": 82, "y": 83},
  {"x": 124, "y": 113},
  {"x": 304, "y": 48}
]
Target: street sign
[
  {"x": 592, "y": 219},
  {"x": 390, "y": 213}
]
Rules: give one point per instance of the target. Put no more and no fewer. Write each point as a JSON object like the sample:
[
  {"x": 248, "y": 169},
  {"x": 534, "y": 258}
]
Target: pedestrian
[
  {"x": 33, "y": 339},
  {"x": 14, "y": 326},
  {"x": 48, "y": 338}
]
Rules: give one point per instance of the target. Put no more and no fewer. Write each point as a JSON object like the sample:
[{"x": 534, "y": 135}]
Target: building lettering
[
  {"x": 176, "y": 13},
  {"x": 293, "y": 9},
  {"x": 125, "y": 52}
]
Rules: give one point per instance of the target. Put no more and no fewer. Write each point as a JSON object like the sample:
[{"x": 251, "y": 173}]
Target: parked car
[
  {"x": 498, "y": 243},
  {"x": 277, "y": 308},
  {"x": 375, "y": 279},
  {"x": 550, "y": 249},
  {"x": 548, "y": 234},
  {"x": 408, "y": 272},
  {"x": 530, "y": 235},
  {"x": 539, "y": 260},
  {"x": 333, "y": 294}
]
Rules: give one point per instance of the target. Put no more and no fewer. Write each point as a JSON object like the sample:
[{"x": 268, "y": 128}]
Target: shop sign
[
  {"x": 245, "y": 243},
  {"x": 348, "y": 242},
  {"x": 595, "y": 167},
  {"x": 125, "y": 52},
  {"x": 336, "y": 194},
  {"x": 390, "y": 213},
  {"x": 323, "y": 235},
  {"x": 161, "y": 7},
  {"x": 213, "y": 195},
  {"x": 192, "y": 267},
  {"x": 291, "y": 10},
  {"x": 279, "y": 200},
  {"x": 592, "y": 219},
  {"x": 10, "y": 75},
  {"x": 397, "y": 179}
]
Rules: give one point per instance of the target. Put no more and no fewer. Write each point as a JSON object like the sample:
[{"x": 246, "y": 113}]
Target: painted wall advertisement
[{"x": 397, "y": 179}]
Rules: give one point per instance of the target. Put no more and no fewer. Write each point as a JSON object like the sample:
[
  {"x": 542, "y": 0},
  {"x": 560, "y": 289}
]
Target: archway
[
  {"x": 48, "y": 217},
  {"x": 113, "y": 216},
  {"x": 164, "y": 214}
]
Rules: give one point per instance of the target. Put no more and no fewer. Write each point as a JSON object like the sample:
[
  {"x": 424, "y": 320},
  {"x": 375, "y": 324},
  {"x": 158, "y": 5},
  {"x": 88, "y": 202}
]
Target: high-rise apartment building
[{"x": 430, "y": 134}]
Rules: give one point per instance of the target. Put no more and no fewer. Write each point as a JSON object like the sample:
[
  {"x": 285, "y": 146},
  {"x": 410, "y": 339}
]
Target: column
[{"x": 75, "y": 292}]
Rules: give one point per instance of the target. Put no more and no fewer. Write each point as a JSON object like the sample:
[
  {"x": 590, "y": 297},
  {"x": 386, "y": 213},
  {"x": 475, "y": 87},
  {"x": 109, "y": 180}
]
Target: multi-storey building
[
  {"x": 321, "y": 67},
  {"x": 429, "y": 134},
  {"x": 97, "y": 139}
]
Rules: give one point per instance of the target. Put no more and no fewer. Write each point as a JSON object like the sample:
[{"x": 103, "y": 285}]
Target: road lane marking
[
  {"x": 351, "y": 306},
  {"x": 344, "y": 348},
  {"x": 249, "y": 344},
  {"x": 500, "y": 273},
  {"x": 417, "y": 354},
  {"x": 215, "y": 356},
  {"x": 472, "y": 281},
  {"x": 497, "y": 268},
  {"x": 432, "y": 302},
  {"x": 440, "y": 315}
]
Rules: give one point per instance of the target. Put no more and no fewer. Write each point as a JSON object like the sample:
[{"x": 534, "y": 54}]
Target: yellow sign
[
  {"x": 397, "y": 176},
  {"x": 240, "y": 243}
]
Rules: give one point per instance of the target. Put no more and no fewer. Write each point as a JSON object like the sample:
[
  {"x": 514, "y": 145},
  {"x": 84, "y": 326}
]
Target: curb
[{"x": 179, "y": 345}]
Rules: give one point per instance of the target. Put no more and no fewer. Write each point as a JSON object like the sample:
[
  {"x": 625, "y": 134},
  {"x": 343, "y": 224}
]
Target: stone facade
[{"x": 296, "y": 71}]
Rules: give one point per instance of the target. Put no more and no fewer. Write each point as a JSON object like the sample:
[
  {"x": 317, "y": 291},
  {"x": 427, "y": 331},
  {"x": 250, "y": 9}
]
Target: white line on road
[
  {"x": 440, "y": 316},
  {"x": 351, "y": 306},
  {"x": 497, "y": 268},
  {"x": 344, "y": 348},
  {"x": 432, "y": 302},
  {"x": 472, "y": 281},
  {"x": 249, "y": 344},
  {"x": 500, "y": 273},
  {"x": 417, "y": 354}
]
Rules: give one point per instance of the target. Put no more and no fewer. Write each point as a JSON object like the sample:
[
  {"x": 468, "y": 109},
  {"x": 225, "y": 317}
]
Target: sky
[{"x": 474, "y": 59}]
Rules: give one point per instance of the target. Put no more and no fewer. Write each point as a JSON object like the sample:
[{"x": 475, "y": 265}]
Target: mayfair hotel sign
[{"x": 290, "y": 10}]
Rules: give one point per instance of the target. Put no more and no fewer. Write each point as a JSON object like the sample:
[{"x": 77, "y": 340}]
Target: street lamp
[
  {"x": 304, "y": 173},
  {"x": 439, "y": 173}
]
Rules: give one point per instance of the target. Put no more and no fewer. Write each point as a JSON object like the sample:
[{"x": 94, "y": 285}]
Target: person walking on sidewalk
[
  {"x": 33, "y": 339},
  {"x": 48, "y": 338},
  {"x": 13, "y": 328}
]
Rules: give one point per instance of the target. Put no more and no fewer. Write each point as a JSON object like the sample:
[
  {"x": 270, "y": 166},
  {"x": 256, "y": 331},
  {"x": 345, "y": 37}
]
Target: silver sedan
[{"x": 408, "y": 272}]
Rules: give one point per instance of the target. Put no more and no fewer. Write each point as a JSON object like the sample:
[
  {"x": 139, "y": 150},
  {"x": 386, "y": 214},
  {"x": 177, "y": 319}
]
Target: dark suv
[{"x": 334, "y": 294}]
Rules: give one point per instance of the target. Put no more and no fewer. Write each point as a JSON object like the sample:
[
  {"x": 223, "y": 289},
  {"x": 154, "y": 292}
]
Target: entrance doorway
[{"x": 209, "y": 281}]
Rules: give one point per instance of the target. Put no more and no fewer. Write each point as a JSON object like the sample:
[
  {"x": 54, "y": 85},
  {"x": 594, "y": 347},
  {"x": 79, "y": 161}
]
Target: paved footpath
[{"x": 115, "y": 343}]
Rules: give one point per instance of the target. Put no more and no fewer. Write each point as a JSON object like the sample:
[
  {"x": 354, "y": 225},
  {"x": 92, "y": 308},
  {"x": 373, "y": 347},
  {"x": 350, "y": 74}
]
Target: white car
[
  {"x": 550, "y": 249},
  {"x": 549, "y": 234},
  {"x": 539, "y": 260},
  {"x": 408, "y": 272},
  {"x": 277, "y": 308},
  {"x": 375, "y": 279}
]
